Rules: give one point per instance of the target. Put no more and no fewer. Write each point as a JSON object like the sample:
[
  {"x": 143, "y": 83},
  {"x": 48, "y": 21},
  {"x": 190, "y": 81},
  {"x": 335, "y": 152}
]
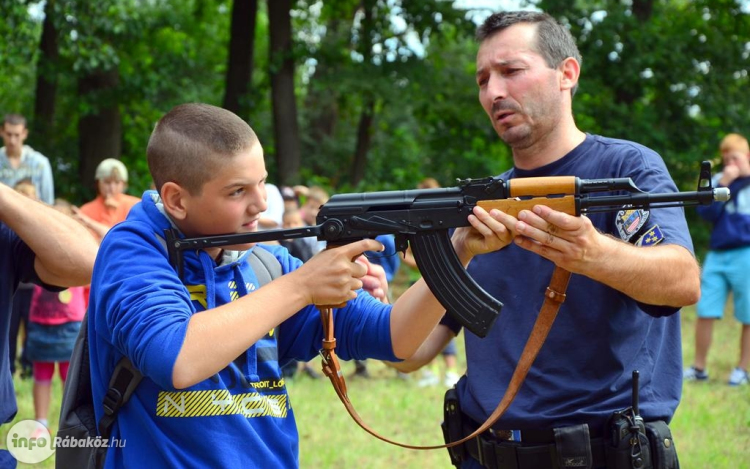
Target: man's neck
[
  {"x": 549, "y": 148},
  {"x": 14, "y": 157}
]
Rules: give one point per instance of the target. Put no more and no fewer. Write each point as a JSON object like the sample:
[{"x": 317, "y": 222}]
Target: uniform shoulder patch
[
  {"x": 630, "y": 221},
  {"x": 652, "y": 237}
]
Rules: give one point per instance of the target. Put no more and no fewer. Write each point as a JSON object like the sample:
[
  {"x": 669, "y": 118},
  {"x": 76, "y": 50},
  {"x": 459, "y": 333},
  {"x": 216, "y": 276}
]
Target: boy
[{"x": 212, "y": 393}]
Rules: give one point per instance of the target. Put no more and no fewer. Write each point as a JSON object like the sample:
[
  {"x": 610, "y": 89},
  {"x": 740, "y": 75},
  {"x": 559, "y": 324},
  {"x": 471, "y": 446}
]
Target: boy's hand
[
  {"x": 333, "y": 276},
  {"x": 374, "y": 282},
  {"x": 489, "y": 232}
]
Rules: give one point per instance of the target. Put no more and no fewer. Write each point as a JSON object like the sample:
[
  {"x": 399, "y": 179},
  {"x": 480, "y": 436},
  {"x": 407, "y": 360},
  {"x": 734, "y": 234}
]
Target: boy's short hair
[
  {"x": 186, "y": 143},
  {"x": 318, "y": 194},
  {"x": 734, "y": 142},
  {"x": 428, "y": 183},
  {"x": 63, "y": 206},
  {"x": 26, "y": 187}
]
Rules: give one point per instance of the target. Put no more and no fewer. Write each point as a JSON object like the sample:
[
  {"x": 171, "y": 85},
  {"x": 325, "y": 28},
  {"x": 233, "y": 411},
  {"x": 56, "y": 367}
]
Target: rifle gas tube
[{"x": 422, "y": 218}]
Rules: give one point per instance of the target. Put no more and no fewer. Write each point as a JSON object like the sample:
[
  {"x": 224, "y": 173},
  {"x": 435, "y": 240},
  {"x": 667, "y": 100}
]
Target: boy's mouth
[{"x": 251, "y": 225}]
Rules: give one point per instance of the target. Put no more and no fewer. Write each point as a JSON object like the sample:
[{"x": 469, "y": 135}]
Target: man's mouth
[{"x": 504, "y": 116}]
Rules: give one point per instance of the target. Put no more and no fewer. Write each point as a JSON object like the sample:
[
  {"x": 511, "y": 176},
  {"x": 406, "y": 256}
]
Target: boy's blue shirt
[
  {"x": 241, "y": 417},
  {"x": 731, "y": 219}
]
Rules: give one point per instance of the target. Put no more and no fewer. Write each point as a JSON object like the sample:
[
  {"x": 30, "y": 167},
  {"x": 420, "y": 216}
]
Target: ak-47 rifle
[{"x": 422, "y": 218}]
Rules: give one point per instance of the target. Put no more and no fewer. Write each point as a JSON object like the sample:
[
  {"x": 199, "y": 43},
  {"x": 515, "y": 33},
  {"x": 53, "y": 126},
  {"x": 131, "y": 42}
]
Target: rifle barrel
[{"x": 646, "y": 200}]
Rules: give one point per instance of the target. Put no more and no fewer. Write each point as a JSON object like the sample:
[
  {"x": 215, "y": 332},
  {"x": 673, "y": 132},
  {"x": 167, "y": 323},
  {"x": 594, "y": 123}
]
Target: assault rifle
[{"x": 422, "y": 218}]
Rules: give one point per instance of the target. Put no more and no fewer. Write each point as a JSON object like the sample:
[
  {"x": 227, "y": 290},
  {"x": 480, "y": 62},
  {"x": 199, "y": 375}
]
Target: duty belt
[{"x": 538, "y": 449}]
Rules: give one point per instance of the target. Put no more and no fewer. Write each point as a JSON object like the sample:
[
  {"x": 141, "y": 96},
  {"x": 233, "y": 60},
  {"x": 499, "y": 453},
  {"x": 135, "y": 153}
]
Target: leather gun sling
[{"x": 553, "y": 298}]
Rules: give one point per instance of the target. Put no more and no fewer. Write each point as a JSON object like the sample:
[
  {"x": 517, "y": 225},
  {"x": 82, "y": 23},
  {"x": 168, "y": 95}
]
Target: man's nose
[{"x": 496, "y": 87}]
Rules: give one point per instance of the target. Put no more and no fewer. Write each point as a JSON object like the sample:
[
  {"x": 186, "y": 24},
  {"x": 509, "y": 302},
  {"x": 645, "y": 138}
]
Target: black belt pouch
[
  {"x": 663, "y": 452},
  {"x": 453, "y": 428},
  {"x": 573, "y": 447}
]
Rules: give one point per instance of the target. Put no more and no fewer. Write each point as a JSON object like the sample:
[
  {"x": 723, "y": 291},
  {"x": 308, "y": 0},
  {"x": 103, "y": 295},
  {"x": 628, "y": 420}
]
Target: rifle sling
[{"x": 553, "y": 298}]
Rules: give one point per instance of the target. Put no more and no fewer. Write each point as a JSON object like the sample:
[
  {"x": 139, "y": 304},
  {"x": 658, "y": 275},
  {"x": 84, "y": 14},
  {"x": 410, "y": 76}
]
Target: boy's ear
[{"x": 173, "y": 197}]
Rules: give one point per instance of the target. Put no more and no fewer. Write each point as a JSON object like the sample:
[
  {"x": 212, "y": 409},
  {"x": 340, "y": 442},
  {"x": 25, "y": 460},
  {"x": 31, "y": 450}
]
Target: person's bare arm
[
  {"x": 430, "y": 348},
  {"x": 64, "y": 249},
  {"x": 97, "y": 229},
  {"x": 665, "y": 275},
  {"x": 417, "y": 312}
]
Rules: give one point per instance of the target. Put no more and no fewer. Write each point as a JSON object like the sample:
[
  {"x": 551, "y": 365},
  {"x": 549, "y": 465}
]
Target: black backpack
[{"x": 77, "y": 420}]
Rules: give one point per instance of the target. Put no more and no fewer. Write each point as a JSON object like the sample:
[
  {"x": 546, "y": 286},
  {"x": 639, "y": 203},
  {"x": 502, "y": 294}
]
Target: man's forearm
[
  {"x": 65, "y": 250},
  {"x": 666, "y": 275}
]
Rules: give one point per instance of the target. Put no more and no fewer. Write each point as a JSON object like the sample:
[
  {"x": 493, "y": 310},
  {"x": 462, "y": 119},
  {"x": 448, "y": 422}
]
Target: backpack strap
[
  {"x": 125, "y": 378},
  {"x": 265, "y": 265}
]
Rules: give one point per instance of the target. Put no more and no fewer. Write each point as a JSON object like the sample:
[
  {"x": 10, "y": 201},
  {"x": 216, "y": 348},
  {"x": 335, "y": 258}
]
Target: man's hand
[
  {"x": 570, "y": 242},
  {"x": 488, "y": 232}
]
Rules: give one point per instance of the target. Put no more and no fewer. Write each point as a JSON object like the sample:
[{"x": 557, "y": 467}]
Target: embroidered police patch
[
  {"x": 652, "y": 237},
  {"x": 629, "y": 221}
]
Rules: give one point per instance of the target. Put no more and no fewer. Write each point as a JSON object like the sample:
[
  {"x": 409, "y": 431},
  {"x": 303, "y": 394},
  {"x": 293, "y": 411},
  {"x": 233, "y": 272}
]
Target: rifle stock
[{"x": 422, "y": 218}]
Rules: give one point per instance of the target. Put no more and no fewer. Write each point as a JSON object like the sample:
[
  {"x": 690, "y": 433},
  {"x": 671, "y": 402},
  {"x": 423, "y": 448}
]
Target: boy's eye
[{"x": 238, "y": 191}]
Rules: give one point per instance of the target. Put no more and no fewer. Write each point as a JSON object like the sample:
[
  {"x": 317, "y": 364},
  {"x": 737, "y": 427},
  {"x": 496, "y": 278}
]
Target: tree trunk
[
  {"x": 364, "y": 139},
  {"x": 100, "y": 131},
  {"x": 642, "y": 9},
  {"x": 240, "y": 64},
  {"x": 281, "y": 63},
  {"x": 364, "y": 128},
  {"x": 46, "y": 79}
]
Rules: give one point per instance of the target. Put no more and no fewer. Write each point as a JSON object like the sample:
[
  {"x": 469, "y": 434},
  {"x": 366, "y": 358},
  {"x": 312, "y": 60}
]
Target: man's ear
[
  {"x": 174, "y": 198},
  {"x": 571, "y": 70}
]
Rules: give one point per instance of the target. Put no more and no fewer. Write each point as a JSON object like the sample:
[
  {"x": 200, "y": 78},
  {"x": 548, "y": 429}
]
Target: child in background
[{"x": 54, "y": 321}]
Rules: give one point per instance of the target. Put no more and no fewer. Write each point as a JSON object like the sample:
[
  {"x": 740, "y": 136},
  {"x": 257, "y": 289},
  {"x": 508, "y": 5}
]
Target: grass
[{"x": 711, "y": 427}]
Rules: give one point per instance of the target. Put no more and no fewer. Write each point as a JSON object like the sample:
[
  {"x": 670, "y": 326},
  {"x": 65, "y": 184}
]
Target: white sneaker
[
  {"x": 428, "y": 379},
  {"x": 692, "y": 374},
  {"x": 451, "y": 379},
  {"x": 738, "y": 377}
]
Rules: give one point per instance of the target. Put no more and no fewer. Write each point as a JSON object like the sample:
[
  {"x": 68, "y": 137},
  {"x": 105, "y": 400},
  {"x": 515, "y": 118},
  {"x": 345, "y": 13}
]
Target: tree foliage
[{"x": 384, "y": 89}]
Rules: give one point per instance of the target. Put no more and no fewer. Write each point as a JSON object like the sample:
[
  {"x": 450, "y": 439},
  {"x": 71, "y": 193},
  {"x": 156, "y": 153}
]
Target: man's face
[
  {"x": 231, "y": 201},
  {"x": 518, "y": 91},
  {"x": 13, "y": 137}
]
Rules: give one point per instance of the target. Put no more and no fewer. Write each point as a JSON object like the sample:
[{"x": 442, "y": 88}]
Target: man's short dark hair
[
  {"x": 187, "y": 142},
  {"x": 553, "y": 40},
  {"x": 14, "y": 119}
]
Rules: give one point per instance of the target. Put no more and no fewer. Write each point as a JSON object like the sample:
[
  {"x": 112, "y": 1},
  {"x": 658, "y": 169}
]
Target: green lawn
[{"x": 711, "y": 427}]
